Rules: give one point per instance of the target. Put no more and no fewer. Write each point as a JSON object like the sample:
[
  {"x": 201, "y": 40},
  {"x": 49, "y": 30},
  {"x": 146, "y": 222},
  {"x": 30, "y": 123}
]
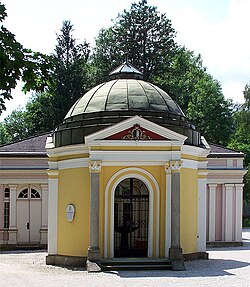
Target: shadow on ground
[
  {"x": 199, "y": 268},
  {"x": 11, "y": 251}
]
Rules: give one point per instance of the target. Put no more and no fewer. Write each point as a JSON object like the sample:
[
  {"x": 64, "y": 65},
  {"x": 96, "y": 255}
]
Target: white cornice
[
  {"x": 241, "y": 172},
  {"x": 68, "y": 150},
  {"x": 29, "y": 180},
  {"x": 134, "y": 156},
  {"x": 195, "y": 151},
  {"x": 73, "y": 163},
  {"x": 129, "y": 143}
]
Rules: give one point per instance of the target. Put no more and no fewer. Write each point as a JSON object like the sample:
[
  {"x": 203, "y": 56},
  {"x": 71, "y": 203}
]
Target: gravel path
[{"x": 226, "y": 267}]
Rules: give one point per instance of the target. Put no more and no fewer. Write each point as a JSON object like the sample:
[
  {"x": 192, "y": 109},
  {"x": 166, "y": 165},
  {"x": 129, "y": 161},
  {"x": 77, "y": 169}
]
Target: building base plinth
[
  {"x": 94, "y": 254},
  {"x": 66, "y": 261},
  {"x": 195, "y": 256}
]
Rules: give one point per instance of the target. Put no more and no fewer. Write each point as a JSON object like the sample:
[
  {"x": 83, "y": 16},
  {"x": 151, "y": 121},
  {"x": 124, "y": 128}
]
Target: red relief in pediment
[{"x": 136, "y": 133}]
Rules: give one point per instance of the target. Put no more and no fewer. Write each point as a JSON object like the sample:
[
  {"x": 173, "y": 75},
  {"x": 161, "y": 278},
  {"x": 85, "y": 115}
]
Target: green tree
[
  {"x": 16, "y": 126},
  {"x": 4, "y": 136},
  {"x": 209, "y": 110},
  {"x": 241, "y": 138},
  {"x": 17, "y": 63},
  {"x": 39, "y": 113},
  {"x": 11, "y": 61},
  {"x": 148, "y": 37},
  {"x": 67, "y": 81},
  {"x": 71, "y": 71},
  {"x": 142, "y": 32}
]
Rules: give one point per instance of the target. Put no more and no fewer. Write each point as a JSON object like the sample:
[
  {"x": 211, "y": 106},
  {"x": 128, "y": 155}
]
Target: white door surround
[{"x": 154, "y": 194}]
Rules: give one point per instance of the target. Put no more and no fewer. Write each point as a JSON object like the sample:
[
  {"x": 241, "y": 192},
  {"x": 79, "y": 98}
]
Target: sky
[{"x": 216, "y": 29}]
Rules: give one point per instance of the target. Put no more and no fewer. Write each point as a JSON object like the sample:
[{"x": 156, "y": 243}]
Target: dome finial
[{"x": 126, "y": 71}]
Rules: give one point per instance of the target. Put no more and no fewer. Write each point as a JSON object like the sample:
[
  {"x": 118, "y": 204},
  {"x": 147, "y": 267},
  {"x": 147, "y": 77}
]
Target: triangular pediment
[{"x": 135, "y": 129}]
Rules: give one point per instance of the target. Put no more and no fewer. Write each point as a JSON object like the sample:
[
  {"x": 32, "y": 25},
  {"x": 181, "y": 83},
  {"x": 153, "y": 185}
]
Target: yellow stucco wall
[
  {"x": 73, "y": 237},
  {"x": 189, "y": 210},
  {"x": 74, "y": 188}
]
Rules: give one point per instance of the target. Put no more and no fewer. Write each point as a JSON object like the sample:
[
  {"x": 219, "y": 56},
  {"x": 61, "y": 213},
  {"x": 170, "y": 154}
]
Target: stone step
[
  {"x": 136, "y": 264},
  {"x": 136, "y": 267}
]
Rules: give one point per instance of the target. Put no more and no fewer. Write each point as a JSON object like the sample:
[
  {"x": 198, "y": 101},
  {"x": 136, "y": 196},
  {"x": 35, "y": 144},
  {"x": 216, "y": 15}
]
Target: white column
[
  {"x": 168, "y": 210},
  {"x": 238, "y": 211},
  {"x": 13, "y": 207},
  {"x": 202, "y": 186},
  {"x": 212, "y": 197},
  {"x": 44, "y": 226},
  {"x": 52, "y": 211},
  {"x": 229, "y": 212}
]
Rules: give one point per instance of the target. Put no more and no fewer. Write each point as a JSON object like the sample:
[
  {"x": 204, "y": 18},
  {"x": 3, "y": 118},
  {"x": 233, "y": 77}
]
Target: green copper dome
[{"x": 123, "y": 96}]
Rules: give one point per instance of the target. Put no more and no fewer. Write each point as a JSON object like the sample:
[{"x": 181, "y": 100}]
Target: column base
[
  {"x": 93, "y": 253},
  {"x": 93, "y": 262},
  {"x": 178, "y": 265},
  {"x": 12, "y": 236},
  {"x": 176, "y": 256}
]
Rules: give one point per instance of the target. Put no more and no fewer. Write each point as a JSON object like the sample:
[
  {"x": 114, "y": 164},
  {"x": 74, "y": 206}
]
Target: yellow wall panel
[
  {"x": 74, "y": 188},
  {"x": 189, "y": 210}
]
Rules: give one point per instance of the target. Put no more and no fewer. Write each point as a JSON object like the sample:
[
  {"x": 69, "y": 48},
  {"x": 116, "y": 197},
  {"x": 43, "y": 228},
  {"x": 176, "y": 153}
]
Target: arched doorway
[
  {"x": 131, "y": 214},
  {"x": 29, "y": 212}
]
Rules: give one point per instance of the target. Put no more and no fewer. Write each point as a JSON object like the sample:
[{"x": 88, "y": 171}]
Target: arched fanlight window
[
  {"x": 34, "y": 194},
  {"x": 23, "y": 193}
]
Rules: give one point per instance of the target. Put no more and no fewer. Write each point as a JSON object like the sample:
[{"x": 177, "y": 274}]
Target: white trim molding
[{"x": 52, "y": 211}]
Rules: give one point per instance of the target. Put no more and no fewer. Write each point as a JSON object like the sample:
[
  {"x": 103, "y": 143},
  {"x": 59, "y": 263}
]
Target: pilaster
[
  {"x": 168, "y": 210},
  {"x": 1, "y": 206},
  {"x": 175, "y": 250},
  {"x": 212, "y": 198},
  {"x": 13, "y": 227},
  {"x": 229, "y": 212},
  {"x": 238, "y": 211},
  {"x": 94, "y": 249},
  {"x": 202, "y": 186},
  {"x": 44, "y": 227},
  {"x": 52, "y": 211}
]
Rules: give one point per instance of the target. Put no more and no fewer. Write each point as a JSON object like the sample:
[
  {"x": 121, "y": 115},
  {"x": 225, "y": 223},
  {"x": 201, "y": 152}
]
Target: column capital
[
  {"x": 12, "y": 186},
  {"x": 239, "y": 185},
  {"x": 167, "y": 167},
  {"x": 95, "y": 166},
  {"x": 212, "y": 185},
  {"x": 53, "y": 173},
  {"x": 172, "y": 165},
  {"x": 229, "y": 186}
]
